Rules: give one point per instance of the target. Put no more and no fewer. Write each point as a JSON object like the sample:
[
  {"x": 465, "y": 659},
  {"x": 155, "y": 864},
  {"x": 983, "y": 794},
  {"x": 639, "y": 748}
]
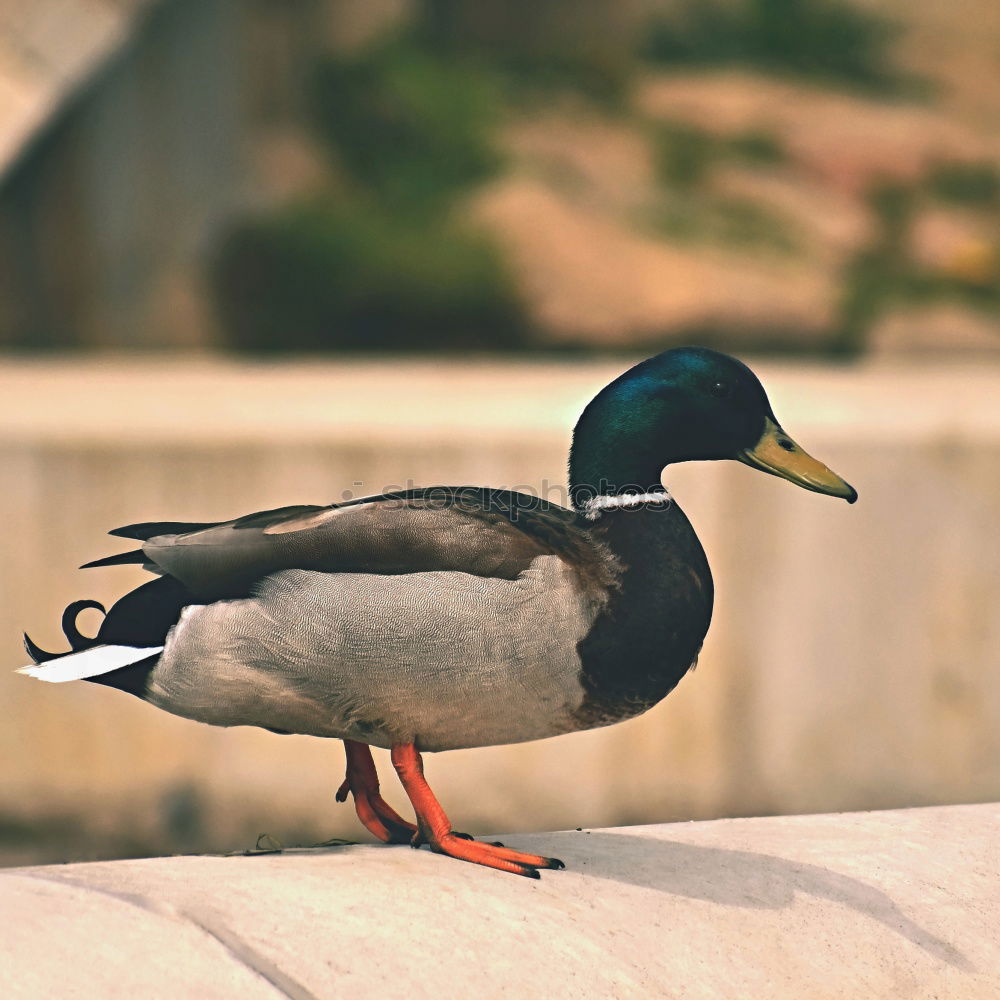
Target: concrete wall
[{"x": 854, "y": 661}]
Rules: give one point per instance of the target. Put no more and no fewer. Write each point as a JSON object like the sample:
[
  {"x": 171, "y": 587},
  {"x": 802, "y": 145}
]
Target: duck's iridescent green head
[{"x": 687, "y": 404}]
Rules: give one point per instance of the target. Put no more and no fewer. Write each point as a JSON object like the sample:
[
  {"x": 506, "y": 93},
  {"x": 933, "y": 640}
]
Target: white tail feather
[{"x": 88, "y": 663}]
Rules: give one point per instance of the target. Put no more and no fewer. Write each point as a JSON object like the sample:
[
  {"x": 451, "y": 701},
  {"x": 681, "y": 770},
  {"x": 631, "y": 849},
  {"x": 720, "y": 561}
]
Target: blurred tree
[
  {"x": 407, "y": 125},
  {"x": 976, "y": 185},
  {"x": 588, "y": 43},
  {"x": 384, "y": 262},
  {"x": 885, "y": 273},
  {"x": 330, "y": 274},
  {"x": 830, "y": 40}
]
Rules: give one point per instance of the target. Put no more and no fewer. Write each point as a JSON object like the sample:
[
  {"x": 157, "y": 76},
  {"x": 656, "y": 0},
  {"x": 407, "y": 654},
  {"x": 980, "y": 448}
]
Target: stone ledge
[
  {"x": 889, "y": 904},
  {"x": 120, "y": 403}
]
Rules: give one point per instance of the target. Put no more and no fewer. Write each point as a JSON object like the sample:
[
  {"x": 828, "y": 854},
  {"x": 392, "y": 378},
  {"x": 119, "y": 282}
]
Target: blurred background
[{"x": 257, "y": 252}]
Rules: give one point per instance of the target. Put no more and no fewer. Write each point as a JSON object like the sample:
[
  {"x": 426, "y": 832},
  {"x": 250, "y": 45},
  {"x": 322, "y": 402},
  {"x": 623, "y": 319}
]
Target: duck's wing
[{"x": 483, "y": 532}]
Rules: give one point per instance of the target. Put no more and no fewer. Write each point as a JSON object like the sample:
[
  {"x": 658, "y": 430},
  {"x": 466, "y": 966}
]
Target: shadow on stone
[{"x": 744, "y": 878}]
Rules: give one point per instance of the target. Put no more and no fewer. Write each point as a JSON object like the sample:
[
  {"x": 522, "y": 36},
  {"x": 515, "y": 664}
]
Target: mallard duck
[{"x": 448, "y": 617}]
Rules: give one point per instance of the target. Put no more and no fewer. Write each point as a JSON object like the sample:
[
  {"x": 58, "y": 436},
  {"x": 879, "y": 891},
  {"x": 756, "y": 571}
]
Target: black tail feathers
[
  {"x": 37, "y": 654},
  {"x": 135, "y": 557},
  {"x": 146, "y": 530},
  {"x": 77, "y": 640},
  {"x": 142, "y": 618}
]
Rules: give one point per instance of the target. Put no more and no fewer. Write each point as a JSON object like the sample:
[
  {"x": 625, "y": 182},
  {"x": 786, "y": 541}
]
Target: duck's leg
[
  {"x": 374, "y": 812},
  {"x": 435, "y": 829}
]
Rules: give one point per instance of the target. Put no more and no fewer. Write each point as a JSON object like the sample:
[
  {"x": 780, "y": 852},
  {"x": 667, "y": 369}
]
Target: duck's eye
[{"x": 721, "y": 389}]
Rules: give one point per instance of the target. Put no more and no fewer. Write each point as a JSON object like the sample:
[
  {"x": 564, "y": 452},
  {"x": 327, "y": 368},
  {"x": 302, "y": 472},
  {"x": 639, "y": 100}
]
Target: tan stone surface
[{"x": 880, "y": 905}]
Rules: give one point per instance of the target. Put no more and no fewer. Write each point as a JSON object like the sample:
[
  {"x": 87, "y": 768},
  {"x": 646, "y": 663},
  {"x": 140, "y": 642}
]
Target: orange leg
[
  {"x": 435, "y": 829},
  {"x": 376, "y": 814}
]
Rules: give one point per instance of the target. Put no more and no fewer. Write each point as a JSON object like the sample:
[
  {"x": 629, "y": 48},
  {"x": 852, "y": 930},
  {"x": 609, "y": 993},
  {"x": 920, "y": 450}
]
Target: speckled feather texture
[
  {"x": 449, "y": 529},
  {"x": 444, "y": 659}
]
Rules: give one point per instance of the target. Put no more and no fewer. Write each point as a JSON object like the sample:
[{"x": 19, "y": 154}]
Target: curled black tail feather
[
  {"x": 77, "y": 640},
  {"x": 37, "y": 654},
  {"x": 142, "y": 618}
]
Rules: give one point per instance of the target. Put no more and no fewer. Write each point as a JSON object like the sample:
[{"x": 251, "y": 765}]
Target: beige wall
[{"x": 854, "y": 661}]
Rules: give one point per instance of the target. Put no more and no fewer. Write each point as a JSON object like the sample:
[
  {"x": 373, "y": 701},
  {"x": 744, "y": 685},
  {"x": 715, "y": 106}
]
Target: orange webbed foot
[
  {"x": 493, "y": 856},
  {"x": 435, "y": 829}
]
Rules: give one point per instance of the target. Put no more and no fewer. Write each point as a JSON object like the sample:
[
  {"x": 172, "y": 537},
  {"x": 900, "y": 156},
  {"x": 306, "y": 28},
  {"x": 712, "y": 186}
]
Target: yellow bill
[{"x": 779, "y": 455}]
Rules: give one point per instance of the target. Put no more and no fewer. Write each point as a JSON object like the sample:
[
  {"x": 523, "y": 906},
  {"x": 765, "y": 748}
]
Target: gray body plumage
[
  {"x": 444, "y": 659},
  {"x": 450, "y": 617}
]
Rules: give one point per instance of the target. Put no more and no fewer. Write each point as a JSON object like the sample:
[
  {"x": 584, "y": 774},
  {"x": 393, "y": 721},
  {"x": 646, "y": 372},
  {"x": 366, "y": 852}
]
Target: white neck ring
[{"x": 593, "y": 508}]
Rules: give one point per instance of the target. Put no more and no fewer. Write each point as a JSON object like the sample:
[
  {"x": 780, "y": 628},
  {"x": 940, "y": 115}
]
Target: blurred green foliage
[
  {"x": 351, "y": 275},
  {"x": 412, "y": 128},
  {"x": 877, "y": 273},
  {"x": 382, "y": 264},
  {"x": 972, "y": 184},
  {"x": 685, "y": 158},
  {"x": 685, "y": 155},
  {"x": 539, "y": 47},
  {"x": 826, "y": 40},
  {"x": 381, "y": 260},
  {"x": 730, "y": 222},
  {"x": 410, "y": 123},
  {"x": 690, "y": 211},
  {"x": 884, "y": 273}
]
